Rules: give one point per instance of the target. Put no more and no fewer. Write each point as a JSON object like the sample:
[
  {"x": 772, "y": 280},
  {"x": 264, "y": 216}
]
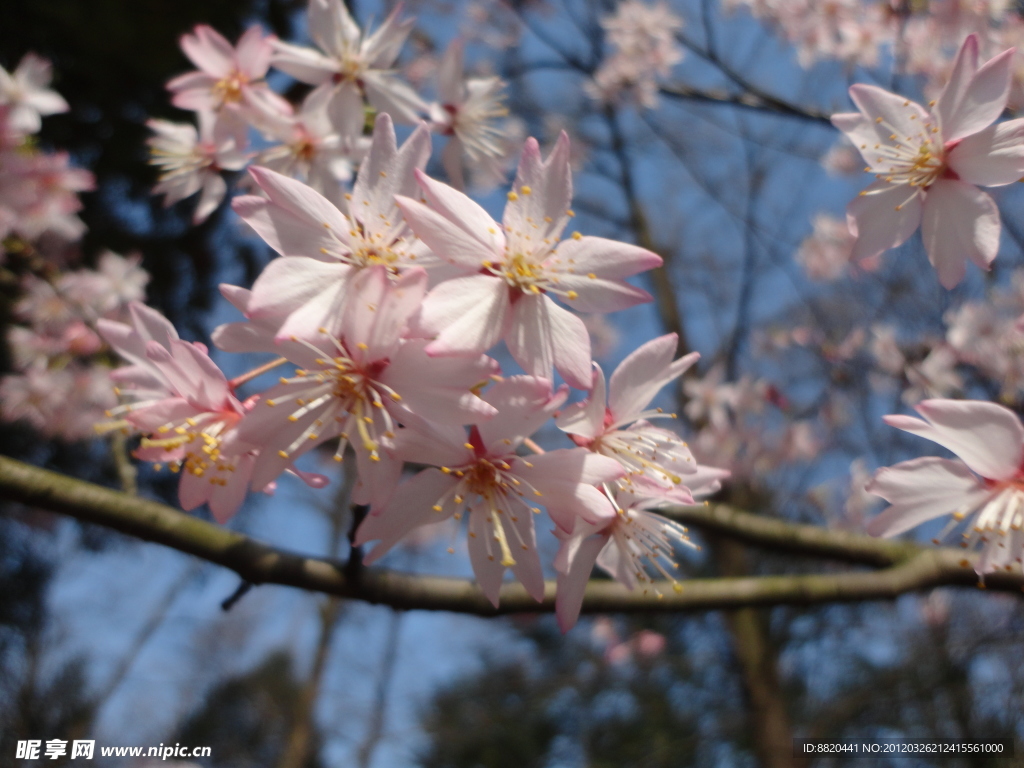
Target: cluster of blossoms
[
  {"x": 922, "y": 37},
  {"x": 38, "y": 190},
  {"x": 389, "y": 290},
  {"x": 386, "y": 313},
  {"x": 61, "y": 380},
  {"x": 985, "y": 338},
  {"x": 644, "y": 50},
  {"x": 746, "y": 425},
  {"x": 851, "y": 31},
  {"x": 240, "y": 120},
  {"x": 989, "y": 336},
  {"x": 825, "y": 253}
]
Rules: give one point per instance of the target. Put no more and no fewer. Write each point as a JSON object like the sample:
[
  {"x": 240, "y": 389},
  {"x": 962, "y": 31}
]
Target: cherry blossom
[
  {"x": 314, "y": 148},
  {"x": 39, "y": 195},
  {"x": 467, "y": 110},
  {"x": 623, "y": 545},
  {"x": 511, "y": 270},
  {"x": 190, "y": 161},
  {"x": 323, "y": 248},
  {"x": 361, "y": 384},
  {"x": 643, "y": 39},
  {"x": 36, "y": 395},
  {"x": 618, "y": 427},
  {"x": 933, "y": 377},
  {"x": 825, "y": 254},
  {"x": 116, "y": 282},
  {"x": 182, "y": 401},
  {"x": 983, "y": 489},
  {"x": 227, "y": 77},
  {"x": 351, "y": 65},
  {"x": 929, "y": 161},
  {"x": 710, "y": 398},
  {"x": 25, "y": 95},
  {"x": 483, "y": 475}
]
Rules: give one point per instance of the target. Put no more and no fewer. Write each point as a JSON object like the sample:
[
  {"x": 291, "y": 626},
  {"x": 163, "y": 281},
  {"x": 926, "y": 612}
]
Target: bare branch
[{"x": 263, "y": 564}]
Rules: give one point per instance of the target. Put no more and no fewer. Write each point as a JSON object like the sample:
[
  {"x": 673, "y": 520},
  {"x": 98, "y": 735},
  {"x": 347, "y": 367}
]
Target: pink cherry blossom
[
  {"x": 983, "y": 489},
  {"x": 619, "y": 428},
  {"x": 483, "y": 475},
  {"x": 323, "y": 248},
  {"x": 181, "y": 400},
  {"x": 227, "y": 77},
  {"x": 360, "y": 385},
  {"x": 929, "y": 161},
  {"x": 351, "y": 65},
  {"x": 623, "y": 545},
  {"x": 825, "y": 253},
  {"x": 468, "y": 110},
  {"x": 933, "y": 377},
  {"x": 116, "y": 282},
  {"x": 644, "y": 48},
  {"x": 36, "y": 396},
  {"x": 190, "y": 161},
  {"x": 25, "y": 95},
  {"x": 39, "y": 195},
  {"x": 513, "y": 269},
  {"x": 313, "y": 148}
]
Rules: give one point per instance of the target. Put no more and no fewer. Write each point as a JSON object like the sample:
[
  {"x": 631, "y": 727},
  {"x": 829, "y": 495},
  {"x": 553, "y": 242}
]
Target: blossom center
[
  {"x": 228, "y": 90},
  {"x": 341, "y": 393},
  {"x": 200, "y": 437},
  {"x": 917, "y": 160}
]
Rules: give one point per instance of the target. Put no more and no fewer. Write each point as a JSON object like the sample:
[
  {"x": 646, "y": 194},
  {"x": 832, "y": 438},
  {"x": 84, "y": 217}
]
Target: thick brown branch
[{"x": 262, "y": 564}]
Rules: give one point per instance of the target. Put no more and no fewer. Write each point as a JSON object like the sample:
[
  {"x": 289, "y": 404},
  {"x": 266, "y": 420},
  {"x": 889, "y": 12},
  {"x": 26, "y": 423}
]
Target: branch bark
[{"x": 919, "y": 569}]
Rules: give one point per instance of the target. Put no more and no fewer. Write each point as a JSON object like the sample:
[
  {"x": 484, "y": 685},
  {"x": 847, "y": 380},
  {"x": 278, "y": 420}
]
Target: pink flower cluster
[
  {"x": 922, "y": 37},
  {"x": 60, "y": 384},
  {"x": 320, "y": 141},
  {"x": 644, "y": 49},
  {"x": 38, "y": 190},
  {"x": 384, "y": 308}
]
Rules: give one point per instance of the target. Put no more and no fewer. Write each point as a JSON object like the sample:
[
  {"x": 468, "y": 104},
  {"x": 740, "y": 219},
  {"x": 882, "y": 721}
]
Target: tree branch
[
  {"x": 263, "y": 564},
  {"x": 750, "y": 98},
  {"x": 778, "y": 535}
]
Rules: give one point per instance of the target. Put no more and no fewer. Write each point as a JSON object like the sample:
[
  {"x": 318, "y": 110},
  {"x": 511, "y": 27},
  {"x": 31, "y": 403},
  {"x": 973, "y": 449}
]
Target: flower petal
[
  {"x": 642, "y": 374},
  {"x": 898, "y": 114},
  {"x": 882, "y": 217},
  {"x": 524, "y": 403},
  {"x": 469, "y": 314},
  {"x": 385, "y": 172},
  {"x": 542, "y": 335},
  {"x": 988, "y": 437},
  {"x": 991, "y": 157},
  {"x": 410, "y": 507},
  {"x": 604, "y": 258},
  {"x": 586, "y": 418},
  {"x": 538, "y": 206},
  {"x": 572, "y": 584},
  {"x": 974, "y": 98},
  {"x": 959, "y": 222},
  {"x": 921, "y": 490}
]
